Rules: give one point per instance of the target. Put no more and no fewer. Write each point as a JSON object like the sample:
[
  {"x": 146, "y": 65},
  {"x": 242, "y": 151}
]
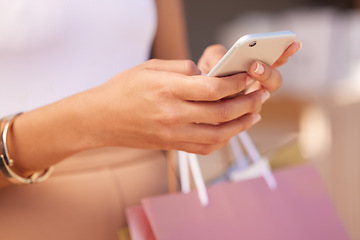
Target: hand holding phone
[{"x": 264, "y": 47}]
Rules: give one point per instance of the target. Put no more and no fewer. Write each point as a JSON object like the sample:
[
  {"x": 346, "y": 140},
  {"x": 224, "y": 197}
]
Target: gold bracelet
[{"x": 6, "y": 162}]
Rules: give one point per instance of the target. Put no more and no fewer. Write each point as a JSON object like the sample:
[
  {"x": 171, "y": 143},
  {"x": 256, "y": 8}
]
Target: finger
[
  {"x": 254, "y": 87},
  {"x": 205, "y": 138},
  {"x": 225, "y": 110},
  {"x": 186, "y": 67},
  {"x": 291, "y": 50},
  {"x": 203, "y": 88},
  {"x": 211, "y": 57},
  {"x": 268, "y": 77}
]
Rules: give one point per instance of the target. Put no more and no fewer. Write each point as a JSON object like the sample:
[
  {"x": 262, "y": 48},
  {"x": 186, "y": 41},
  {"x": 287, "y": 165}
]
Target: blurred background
[{"x": 315, "y": 116}]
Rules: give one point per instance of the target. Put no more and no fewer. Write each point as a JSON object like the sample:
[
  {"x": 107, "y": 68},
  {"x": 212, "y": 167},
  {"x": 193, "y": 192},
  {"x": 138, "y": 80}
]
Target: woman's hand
[
  {"x": 160, "y": 104},
  {"x": 170, "y": 105},
  {"x": 267, "y": 77}
]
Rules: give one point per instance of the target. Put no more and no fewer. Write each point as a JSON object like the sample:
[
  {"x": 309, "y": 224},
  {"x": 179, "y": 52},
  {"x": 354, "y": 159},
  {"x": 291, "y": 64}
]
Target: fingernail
[
  {"x": 259, "y": 68},
  {"x": 256, "y": 118},
  {"x": 248, "y": 80},
  {"x": 265, "y": 96},
  {"x": 300, "y": 46}
]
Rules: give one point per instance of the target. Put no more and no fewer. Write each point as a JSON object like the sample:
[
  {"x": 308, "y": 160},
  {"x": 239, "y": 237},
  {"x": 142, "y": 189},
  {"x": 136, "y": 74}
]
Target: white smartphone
[{"x": 265, "y": 47}]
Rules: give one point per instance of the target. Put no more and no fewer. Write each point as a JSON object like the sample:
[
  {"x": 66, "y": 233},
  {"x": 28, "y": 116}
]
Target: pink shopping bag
[
  {"x": 299, "y": 208},
  {"x": 139, "y": 226}
]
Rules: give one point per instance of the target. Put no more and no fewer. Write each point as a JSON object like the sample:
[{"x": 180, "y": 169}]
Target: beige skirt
[{"x": 85, "y": 197}]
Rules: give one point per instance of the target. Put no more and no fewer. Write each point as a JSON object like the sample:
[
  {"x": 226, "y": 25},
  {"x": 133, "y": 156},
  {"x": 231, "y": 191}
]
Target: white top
[{"x": 50, "y": 49}]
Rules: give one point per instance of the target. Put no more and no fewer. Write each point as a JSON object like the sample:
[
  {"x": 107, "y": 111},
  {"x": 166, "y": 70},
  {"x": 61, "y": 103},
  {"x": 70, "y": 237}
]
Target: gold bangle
[{"x": 6, "y": 162}]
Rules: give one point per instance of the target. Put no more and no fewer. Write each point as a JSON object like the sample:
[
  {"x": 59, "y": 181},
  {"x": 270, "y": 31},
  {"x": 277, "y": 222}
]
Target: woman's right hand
[
  {"x": 165, "y": 104},
  {"x": 160, "y": 104}
]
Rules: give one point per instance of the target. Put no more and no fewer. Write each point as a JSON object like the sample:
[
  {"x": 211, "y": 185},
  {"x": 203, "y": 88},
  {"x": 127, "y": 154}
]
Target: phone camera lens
[{"x": 252, "y": 44}]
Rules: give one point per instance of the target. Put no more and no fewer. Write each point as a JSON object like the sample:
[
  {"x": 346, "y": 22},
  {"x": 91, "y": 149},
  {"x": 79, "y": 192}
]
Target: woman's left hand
[{"x": 267, "y": 77}]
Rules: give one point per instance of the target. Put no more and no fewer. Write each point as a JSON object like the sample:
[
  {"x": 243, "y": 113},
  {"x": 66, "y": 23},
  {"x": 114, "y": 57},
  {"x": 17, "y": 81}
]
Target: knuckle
[
  {"x": 224, "y": 112},
  {"x": 190, "y": 67},
  {"x": 166, "y": 135},
  {"x": 166, "y": 113},
  {"x": 211, "y": 91},
  {"x": 165, "y": 93},
  {"x": 240, "y": 84},
  {"x": 169, "y": 117}
]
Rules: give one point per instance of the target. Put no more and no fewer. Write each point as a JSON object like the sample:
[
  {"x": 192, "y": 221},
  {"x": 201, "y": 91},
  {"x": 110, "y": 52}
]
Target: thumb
[{"x": 210, "y": 57}]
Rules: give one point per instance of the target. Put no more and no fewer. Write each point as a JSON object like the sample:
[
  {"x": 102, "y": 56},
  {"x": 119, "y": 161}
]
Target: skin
[{"x": 160, "y": 104}]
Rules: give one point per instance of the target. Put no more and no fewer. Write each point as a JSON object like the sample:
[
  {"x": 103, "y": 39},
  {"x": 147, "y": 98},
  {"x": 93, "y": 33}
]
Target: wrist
[
  {"x": 45, "y": 136},
  {"x": 7, "y": 163}
]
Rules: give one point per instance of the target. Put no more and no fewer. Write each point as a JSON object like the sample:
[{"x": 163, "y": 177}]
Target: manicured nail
[
  {"x": 265, "y": 96},
  {"x": 256, "y": 118},
  {"x": 248, "y": 80},
  {"x": 259, "y": 69},
  {"x": 300, "y": 46}
]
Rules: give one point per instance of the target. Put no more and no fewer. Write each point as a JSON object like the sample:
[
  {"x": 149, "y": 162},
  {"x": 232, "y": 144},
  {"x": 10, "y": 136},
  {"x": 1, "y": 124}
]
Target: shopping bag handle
[
  {"x": 186, "y": 159},
  {"x": 255, "y": 156}
]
